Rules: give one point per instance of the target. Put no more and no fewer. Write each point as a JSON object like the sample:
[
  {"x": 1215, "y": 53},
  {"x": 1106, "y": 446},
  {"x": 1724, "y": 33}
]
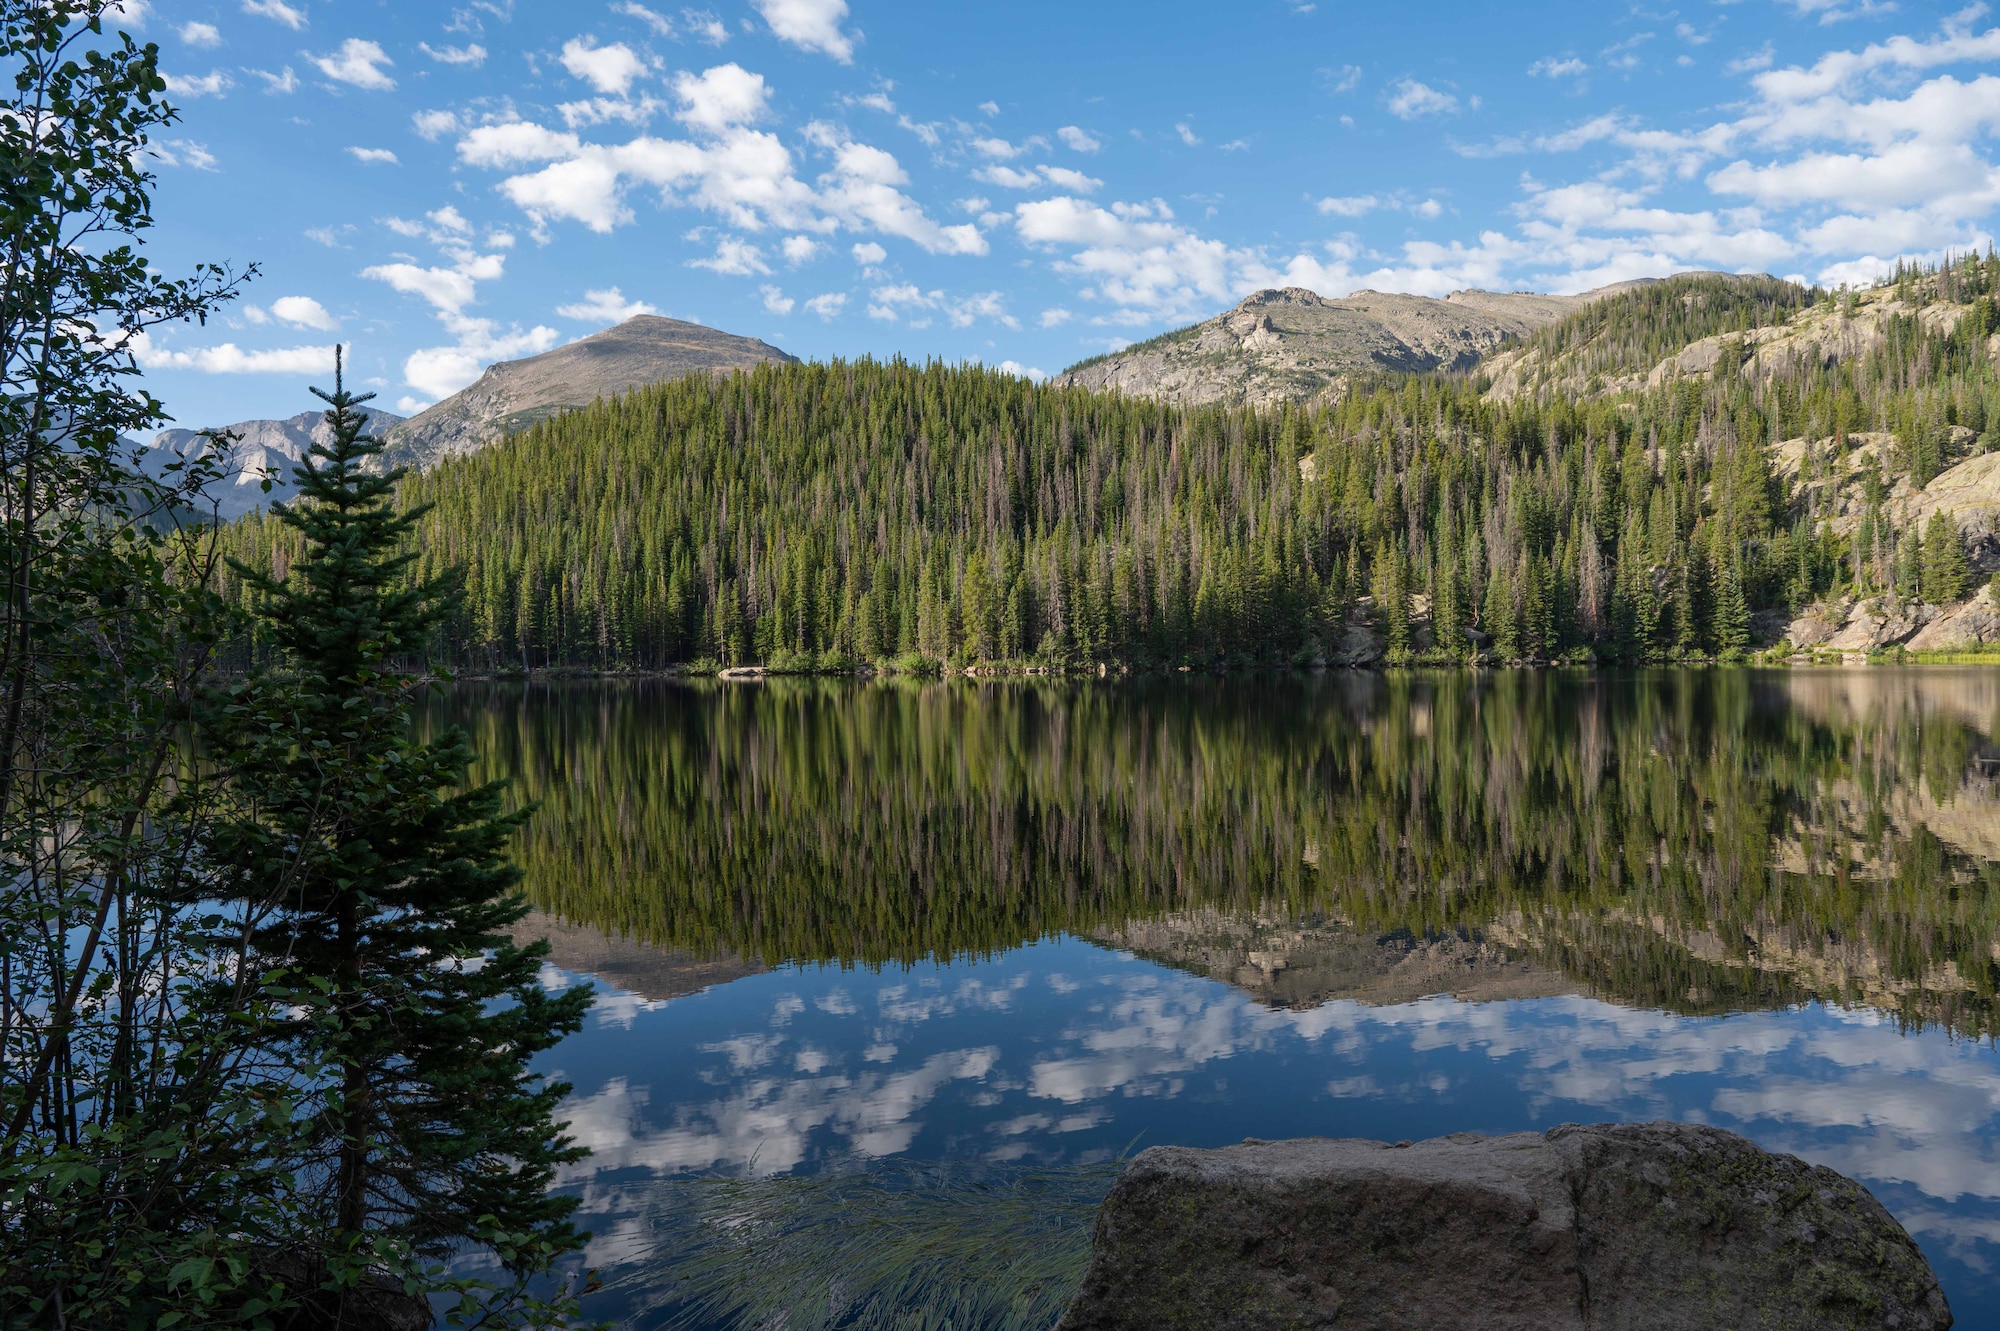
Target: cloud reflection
[{"x": 963, "y": 1061}]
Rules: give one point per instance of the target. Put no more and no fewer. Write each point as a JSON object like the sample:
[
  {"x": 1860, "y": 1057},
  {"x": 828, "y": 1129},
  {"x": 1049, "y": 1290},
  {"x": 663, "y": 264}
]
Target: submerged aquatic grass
[{"x": 908, "y": 1246}]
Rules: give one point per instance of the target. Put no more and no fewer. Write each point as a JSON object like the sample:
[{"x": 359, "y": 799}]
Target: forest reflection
[{"x": 1698, "y": 841}]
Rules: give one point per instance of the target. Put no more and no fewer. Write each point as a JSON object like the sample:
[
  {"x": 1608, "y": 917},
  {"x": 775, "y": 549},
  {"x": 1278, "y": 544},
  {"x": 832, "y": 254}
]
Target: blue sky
[{"x": 440, "y": 185}]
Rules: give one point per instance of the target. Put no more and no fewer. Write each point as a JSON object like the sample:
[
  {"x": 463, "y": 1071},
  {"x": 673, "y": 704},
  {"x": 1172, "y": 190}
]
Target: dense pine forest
[{"x": 821, "y": 516}]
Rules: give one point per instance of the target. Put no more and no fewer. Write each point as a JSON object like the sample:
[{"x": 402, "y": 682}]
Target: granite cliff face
[
  {"x": 513, "y": 395},
  {"x": 263, "y": 449},
  {"x": 1293, "y": 345}
]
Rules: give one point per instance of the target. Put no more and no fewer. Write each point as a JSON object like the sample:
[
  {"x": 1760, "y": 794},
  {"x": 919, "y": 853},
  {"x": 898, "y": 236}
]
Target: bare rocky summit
[
  {"x": 513, "y": 395},
  {"x": 1641, "y": 1227},
  {"x": 262, "y": 450},
  {"x": 1294, "y": 345}
]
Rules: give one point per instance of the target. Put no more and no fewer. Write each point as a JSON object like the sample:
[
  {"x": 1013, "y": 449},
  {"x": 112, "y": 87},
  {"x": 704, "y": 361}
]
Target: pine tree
[
  {"x": 1947, "y": 574},
  {"x": 1732, "y": 609},
  {"x": 430, "y": 1132}
]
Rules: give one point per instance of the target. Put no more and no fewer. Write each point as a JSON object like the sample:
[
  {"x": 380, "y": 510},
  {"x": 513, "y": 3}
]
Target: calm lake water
[{"x": 891, "y": 975}]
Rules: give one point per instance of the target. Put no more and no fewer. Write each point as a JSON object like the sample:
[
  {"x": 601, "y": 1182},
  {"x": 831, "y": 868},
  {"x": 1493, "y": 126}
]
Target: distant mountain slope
[
  {"x": 1293, "y": 345},
  {"x": 1628, "y": 338},
  {"x": 264, "y": 449},
  {"x": 513, "y": 395}
]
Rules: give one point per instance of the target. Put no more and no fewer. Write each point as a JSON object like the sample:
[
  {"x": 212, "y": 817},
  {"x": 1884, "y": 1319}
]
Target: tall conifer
[{"x": 429, "y": 1131}]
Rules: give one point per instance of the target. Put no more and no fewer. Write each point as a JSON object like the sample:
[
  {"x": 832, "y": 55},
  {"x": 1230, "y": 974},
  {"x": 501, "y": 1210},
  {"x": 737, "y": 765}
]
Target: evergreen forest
[{"x": 824, "y": 516}]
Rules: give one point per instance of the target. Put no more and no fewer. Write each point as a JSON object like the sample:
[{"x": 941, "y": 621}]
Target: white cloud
[
  {"x": 610, "y": 69},
  {"x": 278, "y": 11},
  {"x": 721, "y": 98},
  {"x": 1061, "y": 177},
  {"x": 735, "y": 257},
  {"x": 1054, "y": 318},
  {"x": 279, "y": 84},
  {"x": 1756, "y": 60},
  {"x": 1345, "y": 79},
  {"x": 801, "y": 250},
  {"x": 998, "y": 149},
  {"x": 661, "y": 25},
  {"x": 1021, "y": 371},
  {"x": 129, "y": 13},
  {"x": 181, "y": 152},
  {"x": 1007, "y": 177},
  {"x": 605, "y": 307},
  {"x": 303, "y": 312},
  {"x": 434, "y": 125},
  {"x": 471, "y": 54},
  {"x": 899, "y": 300},
  {"x": 706, "y": 26},
  {"x": 438, "y": 372},
  {"x": 868, "y": 253},
  {"x": 1077, "y": 140},
  {"x": 212, "y": 84},
  {"x": 863, "y": 191},
  {"x": 514, "y": 143},
  {"x": 1064, "y": 178},
  {"x": 1188, "y": 136},
  {"x": 373, "y": 156},
  {"x": 448, "y": 290},
  {"x": 1552, "y": 68},
  {"x": 828, "y": 306},
  {"x": 744, "y": 176},
  {"x": 232, "y": 359},
  {"x": 205, "y": 35},
  {"x": 1833, "y": 11},
  {"x": 1358, "y": 205},
  {"x": 1135, "y": 256},
  {"x": 810, "y": 25},
  {"x": 358, "y": 62},
  {"x": 775, "y": 300},
  {"x": 1412, "y": 100}
]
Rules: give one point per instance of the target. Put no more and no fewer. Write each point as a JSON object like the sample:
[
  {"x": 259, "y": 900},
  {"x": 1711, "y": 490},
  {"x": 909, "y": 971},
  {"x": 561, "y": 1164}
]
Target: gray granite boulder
[{"x": 1643, "y": 1227}]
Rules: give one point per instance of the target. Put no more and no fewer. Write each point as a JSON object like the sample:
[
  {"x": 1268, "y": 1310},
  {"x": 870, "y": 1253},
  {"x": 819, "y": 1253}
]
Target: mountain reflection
[{"x": 1692, "y": 841}]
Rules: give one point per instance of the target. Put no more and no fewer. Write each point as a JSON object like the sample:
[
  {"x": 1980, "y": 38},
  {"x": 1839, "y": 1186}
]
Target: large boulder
[{"x": 1644, "y": 1227}]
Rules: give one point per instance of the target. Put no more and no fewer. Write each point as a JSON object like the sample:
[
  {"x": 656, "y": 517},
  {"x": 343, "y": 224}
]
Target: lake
[{"x": 891, "y": 975}]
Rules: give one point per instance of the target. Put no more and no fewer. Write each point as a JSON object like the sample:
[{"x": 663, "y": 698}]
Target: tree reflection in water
[{"x": 1699, "y": 841}]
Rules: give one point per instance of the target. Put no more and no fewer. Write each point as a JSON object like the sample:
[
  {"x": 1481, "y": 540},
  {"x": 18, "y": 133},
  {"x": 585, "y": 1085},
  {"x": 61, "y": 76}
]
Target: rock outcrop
[
  {"x": 1294, "y": 345},
  {"x": 1647, "y": 1227},
  {"x": 1852, "y": 624},
  {"x": 512, "y": 395}
]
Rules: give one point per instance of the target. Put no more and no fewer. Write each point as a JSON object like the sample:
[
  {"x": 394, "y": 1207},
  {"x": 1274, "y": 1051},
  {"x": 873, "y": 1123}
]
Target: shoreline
[{"x": 1896, "y": 657}]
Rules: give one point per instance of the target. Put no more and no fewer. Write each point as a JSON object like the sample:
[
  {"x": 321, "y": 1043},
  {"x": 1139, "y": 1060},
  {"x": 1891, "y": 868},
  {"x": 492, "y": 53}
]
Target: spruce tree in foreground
[{"x": 429, "y": 1133}]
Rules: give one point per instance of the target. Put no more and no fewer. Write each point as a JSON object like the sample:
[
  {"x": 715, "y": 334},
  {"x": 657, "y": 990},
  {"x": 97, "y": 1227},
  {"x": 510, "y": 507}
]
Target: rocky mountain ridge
[
  {"x": 1295, "y": 345},
  {"x": 1828, "y": 330},
  {"x": 263, "y": 450}
]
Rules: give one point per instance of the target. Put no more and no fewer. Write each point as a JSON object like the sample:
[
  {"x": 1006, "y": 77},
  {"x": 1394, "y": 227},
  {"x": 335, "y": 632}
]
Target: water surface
[{"x": 965, "y": 945}]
